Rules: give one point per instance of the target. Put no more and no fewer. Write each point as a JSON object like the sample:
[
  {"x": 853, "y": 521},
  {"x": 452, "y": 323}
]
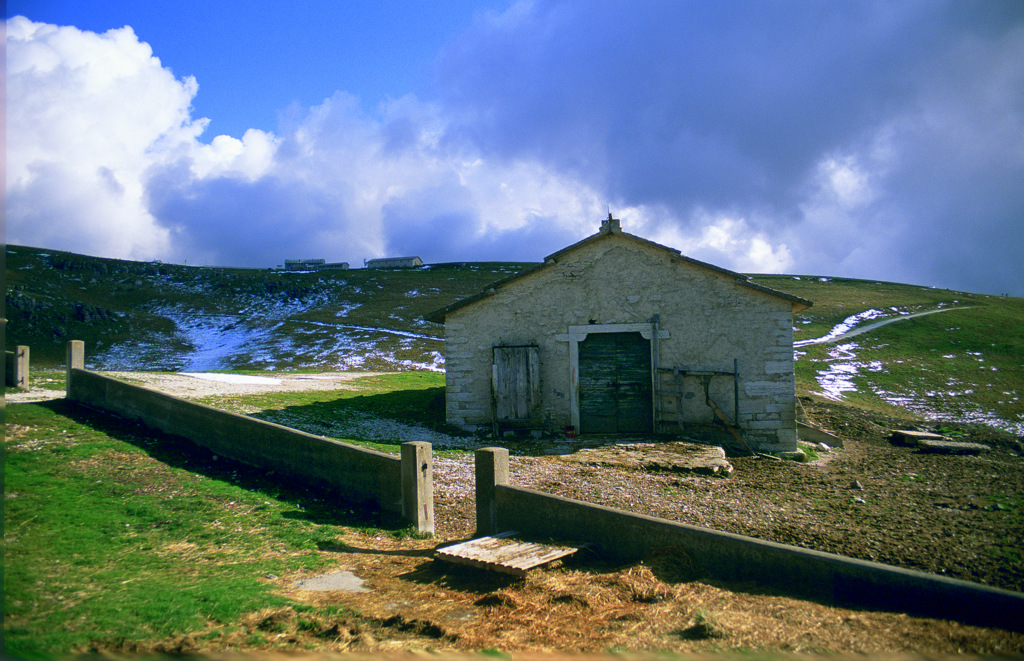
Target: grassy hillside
[
  {"x": 965, "y": 363},
  {"x": 962, "y": 363},
  {"x": 139, "y": 315}
]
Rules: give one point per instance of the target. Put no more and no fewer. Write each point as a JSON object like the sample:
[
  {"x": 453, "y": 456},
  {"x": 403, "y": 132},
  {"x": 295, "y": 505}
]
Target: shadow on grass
[
  {"x": 336, "y": 547},
  {"x": 423, "y": 407},
  {"x": 312, "y": 504},
  {"x": 418, "y": 407}
]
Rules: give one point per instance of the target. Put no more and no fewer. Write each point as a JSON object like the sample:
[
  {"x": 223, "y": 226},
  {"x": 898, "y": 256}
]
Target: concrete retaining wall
[
  {"x": 354, "y": 473},
  {"x": 795, "y": 571},
  {"x": 16, "y": 368}
]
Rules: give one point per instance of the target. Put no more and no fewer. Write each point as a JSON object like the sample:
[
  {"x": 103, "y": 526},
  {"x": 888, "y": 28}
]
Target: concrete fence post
[
  {"x": 21, "y": 367},
  {"x": 75, "y": 361},
  {"x": 418, "y": 485},
  {"x": 16, "y": 368},
  {"x": 491, "y": 470}
]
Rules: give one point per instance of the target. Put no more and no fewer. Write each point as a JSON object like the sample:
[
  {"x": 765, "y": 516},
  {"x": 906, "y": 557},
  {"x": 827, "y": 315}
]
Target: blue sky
[
  {"x": 871, "y": 139},
  {"x": 254, "y": 60}
]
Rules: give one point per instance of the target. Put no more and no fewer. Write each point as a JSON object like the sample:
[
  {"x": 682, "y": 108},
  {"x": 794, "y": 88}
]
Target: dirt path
[
  {"x": 853, "y": 332},
  {"x": 195, "y": 385}
]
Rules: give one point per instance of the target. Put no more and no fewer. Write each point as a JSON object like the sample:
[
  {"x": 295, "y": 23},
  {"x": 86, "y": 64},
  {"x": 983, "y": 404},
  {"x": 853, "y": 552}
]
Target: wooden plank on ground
[{"x": 502, "y": 553}]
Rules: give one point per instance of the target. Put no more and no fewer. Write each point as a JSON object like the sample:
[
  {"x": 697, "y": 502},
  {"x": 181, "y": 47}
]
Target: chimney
[{"x": 610, "y": 225}]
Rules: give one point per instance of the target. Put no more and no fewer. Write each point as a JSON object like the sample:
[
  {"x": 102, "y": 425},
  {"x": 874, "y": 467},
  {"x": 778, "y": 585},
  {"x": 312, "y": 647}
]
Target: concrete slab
[
  {"x": 344, "y": 581},
  {"x": 673, "y": 457},
  {"x": 951, "y": 447},
  {"x": 813, "y": 434}
]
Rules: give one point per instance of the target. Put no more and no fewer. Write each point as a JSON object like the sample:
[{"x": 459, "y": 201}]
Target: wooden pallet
[{"x": 503, "y": 554}]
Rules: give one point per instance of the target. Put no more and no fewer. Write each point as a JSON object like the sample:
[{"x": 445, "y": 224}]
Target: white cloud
[
  {"x": 251, "y": 157},
  {"x": 871, "y": 140},
  {"x": 845, "y": 181},
  {"x": 87, "y": 114},
  {"x": 727, "y": 240}
]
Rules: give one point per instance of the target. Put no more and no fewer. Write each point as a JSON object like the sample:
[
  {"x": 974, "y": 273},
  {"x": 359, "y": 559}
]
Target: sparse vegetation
[
  {"x": 705, "y": 625},
  {"x": 810, "y": 454}
]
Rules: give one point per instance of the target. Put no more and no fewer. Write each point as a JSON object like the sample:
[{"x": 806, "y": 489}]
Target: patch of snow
[
  {"x": 847, "y": 327},
  {"x": 346, "y": 309},
  {"x": 956, "y": 409},
  {"x": 215, "y": 340},
  {"x": 838, "y": 378}
]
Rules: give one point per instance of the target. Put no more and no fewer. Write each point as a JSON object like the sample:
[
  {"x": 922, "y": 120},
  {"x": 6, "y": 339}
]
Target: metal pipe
[
  {"x": 655, "y": 366},
  {"x": 736, "y": 390}
]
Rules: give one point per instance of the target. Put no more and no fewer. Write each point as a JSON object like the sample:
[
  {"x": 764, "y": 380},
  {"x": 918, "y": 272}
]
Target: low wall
[
  {"x": 403, "y": 485},
  {"x": 799, "y": 572},
  {"x": 16, "y": 368}
]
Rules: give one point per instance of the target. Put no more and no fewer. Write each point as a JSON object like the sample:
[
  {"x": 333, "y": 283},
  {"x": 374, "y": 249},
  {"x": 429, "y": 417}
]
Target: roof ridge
[{"x": 610, "y": 230}]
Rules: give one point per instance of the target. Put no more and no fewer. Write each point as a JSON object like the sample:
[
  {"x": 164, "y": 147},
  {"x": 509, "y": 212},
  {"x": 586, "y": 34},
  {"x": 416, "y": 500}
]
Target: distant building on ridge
[
  {"x": 313, "y": 265},
  {"x": 394, "y": 263}
]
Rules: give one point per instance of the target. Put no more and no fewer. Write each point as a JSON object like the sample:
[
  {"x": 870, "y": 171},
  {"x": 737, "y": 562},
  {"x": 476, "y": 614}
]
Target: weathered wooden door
[
  {"x": 516, "y": 385},
  {"x": 615, "y": 393}
]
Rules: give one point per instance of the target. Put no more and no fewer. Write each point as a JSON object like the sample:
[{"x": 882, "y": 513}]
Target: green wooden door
[{"x": 615, "y": 384}]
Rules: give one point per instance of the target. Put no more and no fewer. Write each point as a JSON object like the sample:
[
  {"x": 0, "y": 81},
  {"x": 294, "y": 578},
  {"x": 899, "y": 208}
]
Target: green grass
[
  {"x": 810, "y": 454},
  {"x": 958, "y": 362},
  {"x": 411, "y": 398},
  {"x": 115, "y": 537},
  {"x": 835, "y": 299}
]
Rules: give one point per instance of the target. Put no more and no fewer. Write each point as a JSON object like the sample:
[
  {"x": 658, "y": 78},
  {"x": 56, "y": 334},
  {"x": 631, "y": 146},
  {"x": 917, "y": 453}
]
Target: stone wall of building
[{"x": 710, "y": 320}]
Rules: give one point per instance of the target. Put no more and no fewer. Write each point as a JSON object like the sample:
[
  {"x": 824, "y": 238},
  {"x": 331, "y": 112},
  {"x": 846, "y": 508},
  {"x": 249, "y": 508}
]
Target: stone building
[
  {"x": 303, "y": 264},
  {"x": 620, "y": 335}
]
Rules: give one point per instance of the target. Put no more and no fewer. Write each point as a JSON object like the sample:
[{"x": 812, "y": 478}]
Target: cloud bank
[{"x": 864, "y": 140}]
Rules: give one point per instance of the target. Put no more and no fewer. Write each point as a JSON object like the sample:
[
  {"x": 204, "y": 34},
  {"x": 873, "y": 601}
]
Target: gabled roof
[{"x": 611, "y": 228}]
